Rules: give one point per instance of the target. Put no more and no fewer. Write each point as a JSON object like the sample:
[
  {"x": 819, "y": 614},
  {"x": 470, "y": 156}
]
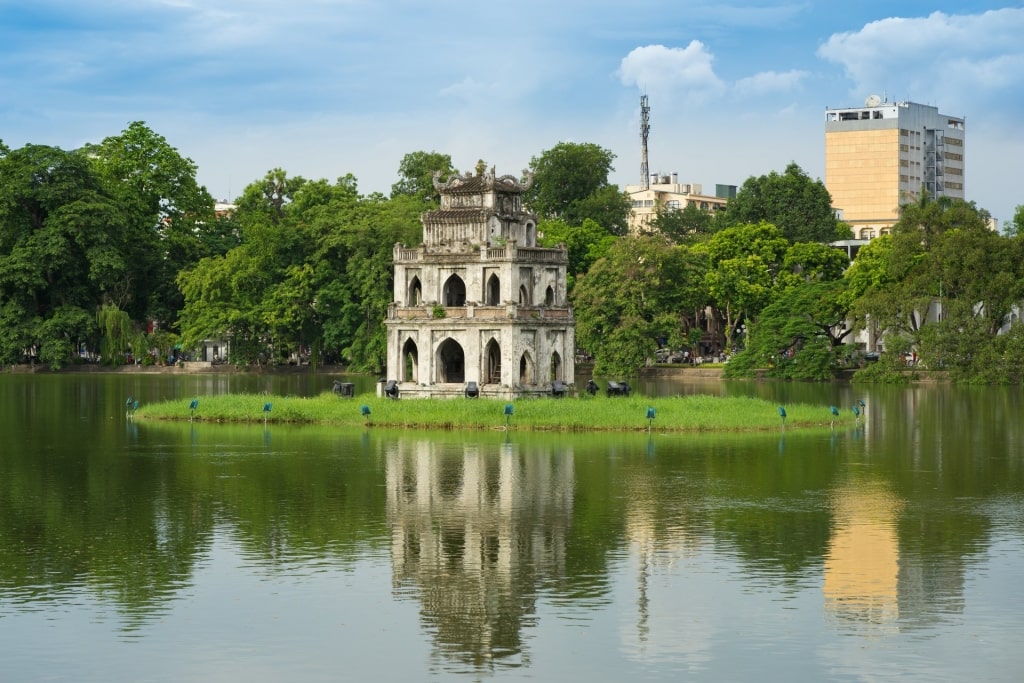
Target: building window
[{"x": 672, "y": 204}]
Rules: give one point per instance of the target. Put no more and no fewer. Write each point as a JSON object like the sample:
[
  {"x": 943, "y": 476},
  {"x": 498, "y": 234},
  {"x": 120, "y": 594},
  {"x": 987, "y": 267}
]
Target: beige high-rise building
[{"x": 885, "y": 154}]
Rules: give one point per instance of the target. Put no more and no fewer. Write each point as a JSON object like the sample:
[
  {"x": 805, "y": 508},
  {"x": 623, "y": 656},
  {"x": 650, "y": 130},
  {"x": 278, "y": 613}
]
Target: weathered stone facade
[{"x": 478, "y": 301}]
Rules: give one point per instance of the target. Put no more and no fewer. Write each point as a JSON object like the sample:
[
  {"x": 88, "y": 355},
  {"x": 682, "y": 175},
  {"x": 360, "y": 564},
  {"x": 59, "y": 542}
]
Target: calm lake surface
[{"x": 135, "y": 551}]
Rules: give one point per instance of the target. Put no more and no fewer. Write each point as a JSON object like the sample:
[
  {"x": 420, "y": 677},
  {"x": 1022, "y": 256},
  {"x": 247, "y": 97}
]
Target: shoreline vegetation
[{"x": 695, "y": 413}]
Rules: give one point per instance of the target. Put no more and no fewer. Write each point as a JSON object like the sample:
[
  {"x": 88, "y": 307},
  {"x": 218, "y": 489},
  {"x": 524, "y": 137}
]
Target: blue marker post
[
  {"x": 266, "y": 411},
  {"x": 856, "y": 413},
  {"x": 782, "y": 414},
  {"x": 192, "y": 408},
  {"x": 508, "y": 414},
  {"x": 835, "y": 414},
  {"x": 650, "y": 418},
  {"x": 365, "y": 410},
  {"x": 128, "y": 407}
]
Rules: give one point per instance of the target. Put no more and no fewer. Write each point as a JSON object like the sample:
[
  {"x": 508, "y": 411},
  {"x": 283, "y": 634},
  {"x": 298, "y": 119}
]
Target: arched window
[
  {"x": 493, "y": 297},
  {"x": 451, "y": 363},
  {"x": 410, "y": 361},
  {"x": 454, "y": 293},
  {"x": 524, "y": 296},
  {"x": 556, "y": 367},
  {"x": 549, "y": 297},
  {"x": 531, "y": 235},
  {"x": 492, "y": 362},
  {"x": 526, "y": 370},
  {"x": 415, "y": 295}
]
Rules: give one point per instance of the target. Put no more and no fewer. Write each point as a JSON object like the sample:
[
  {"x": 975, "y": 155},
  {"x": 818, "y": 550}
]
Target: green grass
[{"x": 675, "y": 414}]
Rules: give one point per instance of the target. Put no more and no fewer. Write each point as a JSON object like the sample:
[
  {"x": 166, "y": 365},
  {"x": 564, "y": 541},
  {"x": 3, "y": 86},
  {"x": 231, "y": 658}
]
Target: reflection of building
[
  {"x": 884, "y": 154},
  {"x": 862, "y": 566},
  {"x": 474, "y": 527},
  {"x": 478, "y": 301},
  {"x": 666, "y": 193}
]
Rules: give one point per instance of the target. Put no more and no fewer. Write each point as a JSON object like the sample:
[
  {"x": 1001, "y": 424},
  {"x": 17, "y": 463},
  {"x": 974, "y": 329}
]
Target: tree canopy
[
  {"x": 570, "y": 183},
  {"x": 800, "y": 207}
]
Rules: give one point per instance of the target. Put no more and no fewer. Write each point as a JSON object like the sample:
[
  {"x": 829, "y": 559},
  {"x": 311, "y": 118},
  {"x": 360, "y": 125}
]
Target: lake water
[{"x": 134, "y": 551}]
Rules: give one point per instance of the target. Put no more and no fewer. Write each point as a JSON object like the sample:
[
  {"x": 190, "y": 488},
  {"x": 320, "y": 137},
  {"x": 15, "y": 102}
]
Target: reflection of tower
[
  {"x": 645, "y": 129},
  {"x": 862, "y": 565},
  {"x": 473, "y": 528}
]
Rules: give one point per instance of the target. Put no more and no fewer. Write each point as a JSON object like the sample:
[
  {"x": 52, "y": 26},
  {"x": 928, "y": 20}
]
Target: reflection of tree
[{"x": 474, "y": 528}]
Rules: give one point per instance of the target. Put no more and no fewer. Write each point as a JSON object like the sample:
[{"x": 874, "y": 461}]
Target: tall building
[{"x": 884, "y": 155}]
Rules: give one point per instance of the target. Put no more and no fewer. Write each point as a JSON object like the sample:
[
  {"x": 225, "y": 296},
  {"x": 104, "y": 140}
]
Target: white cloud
[
  {"x": 671, "y": 70},
  {"x": 935, "y": 58},
  {"x": 769, "y": 82}
]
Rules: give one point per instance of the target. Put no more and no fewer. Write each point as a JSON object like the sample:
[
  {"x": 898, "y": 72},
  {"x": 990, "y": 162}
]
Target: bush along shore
[{"x": 634, "y": 413}]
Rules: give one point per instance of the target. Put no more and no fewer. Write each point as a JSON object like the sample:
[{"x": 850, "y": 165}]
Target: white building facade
[{"x": 478, "y": 305}]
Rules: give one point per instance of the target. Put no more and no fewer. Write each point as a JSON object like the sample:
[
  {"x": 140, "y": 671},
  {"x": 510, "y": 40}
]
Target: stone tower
[{"x": 478, "y": 303}]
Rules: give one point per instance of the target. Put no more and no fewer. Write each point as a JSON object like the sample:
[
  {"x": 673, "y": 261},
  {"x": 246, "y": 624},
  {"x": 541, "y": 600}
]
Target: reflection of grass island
[{"x": 696, "y": 413}]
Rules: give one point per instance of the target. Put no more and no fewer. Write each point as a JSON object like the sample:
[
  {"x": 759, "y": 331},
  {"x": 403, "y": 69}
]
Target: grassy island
[{"x": 670, "y": 414}]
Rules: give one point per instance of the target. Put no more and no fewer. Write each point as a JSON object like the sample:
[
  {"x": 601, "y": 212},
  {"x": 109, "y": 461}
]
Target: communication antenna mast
[{"x": 645, "y": 129}]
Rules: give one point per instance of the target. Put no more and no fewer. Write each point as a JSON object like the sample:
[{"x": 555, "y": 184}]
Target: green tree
[
  {"x": 1015, "y": 227},
  {"x": 586, "y": 243},
  {"x": 416, "y": 175},
  {"x": 799, "y": 207},
  {"x": 634, "y": 296},
  {"x": 570, "y": 182},
  {"x": 688, "y": 225},
  {"x": 743, "y": 262},
  {"x": 64, "y": 250},
  {"x": 797, "y": 336},
  {"x": 168, "y": 216}
]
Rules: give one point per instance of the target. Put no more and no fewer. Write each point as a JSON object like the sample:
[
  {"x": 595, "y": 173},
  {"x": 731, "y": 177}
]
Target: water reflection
[
  {"x": 474, "y": 528},
  {"x": 617, "y": 557},
  {"x": 862, "y": 564}
]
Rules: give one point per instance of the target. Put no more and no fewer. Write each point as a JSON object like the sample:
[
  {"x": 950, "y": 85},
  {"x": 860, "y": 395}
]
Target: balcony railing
[
  {"x": 502, "y": 312},
  {"x": 483, "y": 253}
]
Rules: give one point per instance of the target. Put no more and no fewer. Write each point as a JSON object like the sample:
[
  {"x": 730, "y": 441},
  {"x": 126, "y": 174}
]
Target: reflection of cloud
[{"x": 931, "y": 57}]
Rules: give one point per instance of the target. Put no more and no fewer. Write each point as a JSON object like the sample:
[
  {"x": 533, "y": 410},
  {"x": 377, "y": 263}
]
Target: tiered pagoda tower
[{"x": 478, "y": 305}]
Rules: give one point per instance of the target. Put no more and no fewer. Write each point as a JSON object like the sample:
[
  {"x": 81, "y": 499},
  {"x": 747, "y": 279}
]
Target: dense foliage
[
  {"x": 799, "y": 207},
  {"x": 115, "y": 250},
  {"x": 570, "y": 183}
]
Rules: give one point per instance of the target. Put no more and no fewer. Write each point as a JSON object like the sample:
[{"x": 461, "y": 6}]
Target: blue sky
[{"x": 322, "y": 88}]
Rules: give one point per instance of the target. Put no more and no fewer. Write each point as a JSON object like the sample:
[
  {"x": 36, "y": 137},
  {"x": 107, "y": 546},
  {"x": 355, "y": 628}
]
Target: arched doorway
[
  {"x": 415, "y": 295},
  {"x": 493, "y": 290},
  {"x": 410, "y": 362},
  {"x": 524, "y": 296},
  {"x": 492, "y": 362},
  {"x": 556, "y": 367},
  {"x": 451, "y": 363},
  {"x": 454, "y": 293},
  {"x": 549, "y": 297},
  {"x": 526, "y": 375}
]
